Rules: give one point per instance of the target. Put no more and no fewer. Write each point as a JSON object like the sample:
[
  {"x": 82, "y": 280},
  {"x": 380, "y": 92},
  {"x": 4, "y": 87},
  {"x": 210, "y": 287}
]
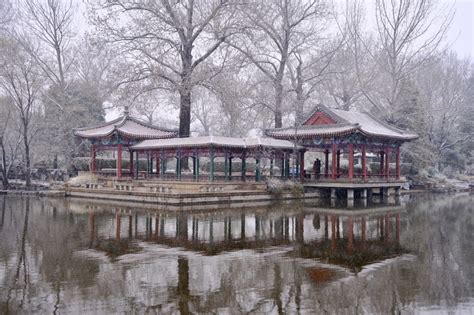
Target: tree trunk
[
  {"x": 300, "y": 97},
  {"x": 5, "y": 169},
  {"x": 27, "y": 156},
  {"x": 185, "y": 113},
  {"x": 278, "y": 101}
]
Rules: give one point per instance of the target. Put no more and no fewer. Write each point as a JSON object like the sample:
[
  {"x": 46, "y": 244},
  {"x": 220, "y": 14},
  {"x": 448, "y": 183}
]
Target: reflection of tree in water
[
  {"x": 48, "y": 242},
  {"x": 21, "y": 265},
  {"x": 209, "y": 272},
  {"x": 443, "y": 229},
  {"x": 113, "y": 247},
  {"x": 4, "y": 207}
]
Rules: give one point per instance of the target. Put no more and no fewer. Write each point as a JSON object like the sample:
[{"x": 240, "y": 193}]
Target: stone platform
[
  {"x": 353, "y": 189},
  {"x": 181, "y": 193}
]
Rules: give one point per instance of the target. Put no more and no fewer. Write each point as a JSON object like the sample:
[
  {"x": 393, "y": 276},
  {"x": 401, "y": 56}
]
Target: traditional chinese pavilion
[
  {"x": 335, "y": 132},
  {"x": 119, "y": 135},
  {"x": 213, "y": 147}
]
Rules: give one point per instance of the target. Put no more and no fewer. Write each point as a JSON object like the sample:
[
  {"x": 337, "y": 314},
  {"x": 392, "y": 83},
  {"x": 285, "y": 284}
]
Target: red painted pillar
[
  {"x": 326, "y": 163},
  {"x": 387, "y": 162},
  {"x": 119, "y": 160},
  {"x": 333, "y": 161},
  {"x": 351, "y": 161},
  {"x": 93, "y": 157},
  {"x": 397, "y": 165},
  {"x": 364, "y": 162},
  {"x": 158, "y": 163},
  {"x": 302, "y": 165}
]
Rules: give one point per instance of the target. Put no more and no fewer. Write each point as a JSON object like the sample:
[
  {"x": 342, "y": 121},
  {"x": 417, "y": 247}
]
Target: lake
[{"x": 68, "y": 256}]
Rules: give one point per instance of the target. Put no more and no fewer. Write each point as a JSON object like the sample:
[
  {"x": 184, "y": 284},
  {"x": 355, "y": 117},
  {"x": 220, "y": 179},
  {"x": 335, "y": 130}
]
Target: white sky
[{"x": 462, "y": 28}]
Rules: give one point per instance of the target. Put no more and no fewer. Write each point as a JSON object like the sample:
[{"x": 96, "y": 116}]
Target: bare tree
[
  {"x": 275, "y": 30},
  {"x": 410, "y": 33},
  {"x": 50, "y": 21},
  {"x": 20, "y": 80},
  {"x": 169, "y": 41},
  {"x": 445, "y": 88},
  {"x": 6, "y": 14},
  {"x": 206, "y": 111},
  {"x": 10, "y": 141},
  {"x": 308, "y": 71},
  {"x": 99, "y": 67}
]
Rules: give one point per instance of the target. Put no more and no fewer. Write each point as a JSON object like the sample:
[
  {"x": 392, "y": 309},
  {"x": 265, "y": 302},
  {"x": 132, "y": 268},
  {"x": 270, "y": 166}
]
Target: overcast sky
[{"x": 462, "y": 28}]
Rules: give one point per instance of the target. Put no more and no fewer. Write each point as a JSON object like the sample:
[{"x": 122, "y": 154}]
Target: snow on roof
[
  {"x": 217, "y": 141},
  {"x": 371, "y": 125},
  {"x": 126, "y": 126},
  {"x": 347, "y": 122},
  {"x": 309, "y": 131}
]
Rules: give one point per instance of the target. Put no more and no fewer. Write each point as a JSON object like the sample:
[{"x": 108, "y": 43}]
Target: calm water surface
[{"x": 79, "y": 256}]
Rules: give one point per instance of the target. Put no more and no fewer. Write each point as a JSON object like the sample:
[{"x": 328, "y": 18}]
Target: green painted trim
[
  {"x": 257, "y": 170},
  {"x": 197, "y": 168},
  {"x": 211, "y": 166},
  {"x": 287, "y": 167},
  {"x": 178, "y": 166},
  {"x": 271, "y": 166},
  {"x": 162, "y": 163},
  {"x": 226, "y": 165}
]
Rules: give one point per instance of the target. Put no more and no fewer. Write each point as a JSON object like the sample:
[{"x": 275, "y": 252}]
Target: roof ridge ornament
[{"x": 126, "y": 111}]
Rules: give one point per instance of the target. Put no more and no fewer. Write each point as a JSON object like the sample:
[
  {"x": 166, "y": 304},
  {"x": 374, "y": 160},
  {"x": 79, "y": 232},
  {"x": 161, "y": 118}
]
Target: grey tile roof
[
  {"x": 347, "y": 122},
  {"x": 216, "y": 141},
  {"x": 126, "y": 126}
]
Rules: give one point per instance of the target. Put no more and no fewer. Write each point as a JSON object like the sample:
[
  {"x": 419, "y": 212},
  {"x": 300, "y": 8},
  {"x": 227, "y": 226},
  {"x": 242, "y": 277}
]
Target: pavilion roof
[
  {"x": 126, "y": 126},
  {"x": 215, "y": 141},
  {"x": 341, "y": 123}
]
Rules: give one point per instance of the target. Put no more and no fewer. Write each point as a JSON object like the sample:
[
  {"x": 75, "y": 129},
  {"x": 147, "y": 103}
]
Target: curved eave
[
  {"x": 167, "y": 135},
  {"x": 119, "y": 123},
  {"x": 138, "y": 147},
  {"x": 405, "y": 138},
  {"x": 104, "y": 124},
  {"x": 310, "y": 135},
  {"x": 185, "y": 146},
  {"x": 268, "y": 147}
]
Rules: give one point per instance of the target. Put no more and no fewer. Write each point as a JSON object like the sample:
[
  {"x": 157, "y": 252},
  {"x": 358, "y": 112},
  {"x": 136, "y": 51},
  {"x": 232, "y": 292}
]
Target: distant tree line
[{"x": 229, "y": 67}]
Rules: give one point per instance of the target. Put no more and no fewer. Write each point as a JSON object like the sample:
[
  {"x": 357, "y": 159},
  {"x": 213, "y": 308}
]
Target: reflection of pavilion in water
[{"x": 346, "y": 238}]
